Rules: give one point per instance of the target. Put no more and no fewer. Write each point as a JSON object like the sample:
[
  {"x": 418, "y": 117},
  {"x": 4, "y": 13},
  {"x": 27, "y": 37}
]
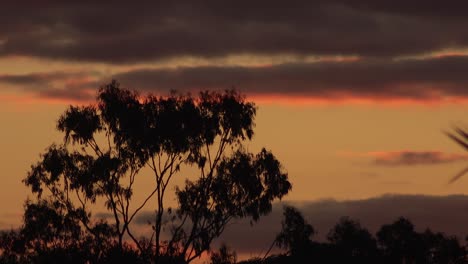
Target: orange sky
[
  {"x": 354, "y": 96},
  {"x": 324, "y": 148}
]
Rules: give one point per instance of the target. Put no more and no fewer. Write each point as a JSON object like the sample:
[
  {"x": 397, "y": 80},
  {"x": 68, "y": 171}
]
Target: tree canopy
[{"x": 105, "y": 148}]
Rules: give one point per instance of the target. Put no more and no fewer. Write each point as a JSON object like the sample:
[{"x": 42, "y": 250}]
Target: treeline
[{"x": 349, "y": 242}]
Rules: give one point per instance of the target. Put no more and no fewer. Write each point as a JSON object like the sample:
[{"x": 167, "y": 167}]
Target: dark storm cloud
[
  {"x": 410, "y": 158},
  {"x": 117, "y": 33},
  {"x": 447, "y": 214}
]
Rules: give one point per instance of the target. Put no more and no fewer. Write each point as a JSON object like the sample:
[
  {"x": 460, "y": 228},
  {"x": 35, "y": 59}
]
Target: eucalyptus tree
[{"x": 107, "y": 145}]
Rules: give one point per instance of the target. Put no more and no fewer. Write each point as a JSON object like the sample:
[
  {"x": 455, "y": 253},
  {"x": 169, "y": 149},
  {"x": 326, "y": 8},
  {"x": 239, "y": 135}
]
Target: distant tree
[
  {"x": 400, "y": 243},
  {"x": 442, "y": 249},
  {"x": 106, "y": 147},
  {"x": 295, "y": 235},
  {"x": 348, "y": 242},
  {"x": 353, "y": 242}
]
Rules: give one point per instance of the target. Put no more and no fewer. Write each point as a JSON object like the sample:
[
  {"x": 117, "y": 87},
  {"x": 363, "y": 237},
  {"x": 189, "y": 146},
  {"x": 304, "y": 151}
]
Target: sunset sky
[{"x": 353, "y": 96}]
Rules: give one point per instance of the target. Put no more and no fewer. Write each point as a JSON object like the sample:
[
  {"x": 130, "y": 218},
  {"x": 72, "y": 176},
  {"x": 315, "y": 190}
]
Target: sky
[{"x": 353, "y": 97}]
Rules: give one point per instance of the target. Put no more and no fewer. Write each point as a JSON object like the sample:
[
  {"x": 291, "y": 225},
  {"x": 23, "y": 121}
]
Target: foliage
[
  {"x": 108, "y": 145},
  {"x": 353, "y": 242},
  {"x": 399, "y": 241},
  {"x": 295, "y": 232}
]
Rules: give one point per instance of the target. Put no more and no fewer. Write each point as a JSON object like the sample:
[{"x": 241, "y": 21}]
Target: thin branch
[
  {"x": 142, "y": 205},
  {"x": 178, "y": 228},
  {"x": 208, "y": 153},
  {"x": 137, "y": 243}
]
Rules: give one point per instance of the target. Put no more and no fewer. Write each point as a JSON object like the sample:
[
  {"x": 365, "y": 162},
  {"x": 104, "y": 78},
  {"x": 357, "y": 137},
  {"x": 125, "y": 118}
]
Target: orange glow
[
  {"x": 449, "y": 54},
  {"x": 263, "y": 99}
]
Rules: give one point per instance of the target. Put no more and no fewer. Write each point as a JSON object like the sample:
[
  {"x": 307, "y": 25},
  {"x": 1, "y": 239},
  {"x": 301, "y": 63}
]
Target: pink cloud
[{"x": 409, "y": 158}]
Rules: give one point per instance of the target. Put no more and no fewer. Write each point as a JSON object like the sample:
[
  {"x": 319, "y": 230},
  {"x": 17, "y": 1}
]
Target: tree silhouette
[
  {"x": 106, "y": 147},
  {"x": 442, "y": 249},
  {"x": 400, "y": 243},
  {"x": 352, "y": 242},
  {"x": 348, "y": 242},
  {"x": 295, "y": 235}
]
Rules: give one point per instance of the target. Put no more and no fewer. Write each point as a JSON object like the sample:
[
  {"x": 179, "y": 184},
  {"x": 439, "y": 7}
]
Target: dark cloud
[
  {"x": 447, "y": 214},
  {"x": 435, "y": 78},
  {"x": 146, "y": 217},
  {"x": 117, "y": 32},
  {"x": 419, "y": 8},
  {"x": 35, "y": 79},
  {"x": 415, "y": 79},
  {"x": 104, "y": 215},
  {"x": 409, "y": 158},
  {"x": 55, "y": 85}
]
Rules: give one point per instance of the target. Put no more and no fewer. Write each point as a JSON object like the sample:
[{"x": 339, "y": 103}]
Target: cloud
[
  {"x": 145, "y": 217},
  {"x": 391, "y": 45},
  {"x": 440, "y": 79},
  {"x": 104, "y": 215},
  {"x": 414, "y": 78},
  {"x": 421, "y": 8},
  {"x": 71, "y": 86},
  {"x": 410, "y": 158},
  {"x": 36, "y": 79},
  {"x": 122, "y": 33}
]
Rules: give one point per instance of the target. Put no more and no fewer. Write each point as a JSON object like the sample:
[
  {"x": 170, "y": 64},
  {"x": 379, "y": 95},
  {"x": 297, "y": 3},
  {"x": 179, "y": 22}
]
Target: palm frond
[
  {"x": 459, "y": 175},
  {"x": 462, "y": 133},
  {"x": 458, "y": 140}
]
